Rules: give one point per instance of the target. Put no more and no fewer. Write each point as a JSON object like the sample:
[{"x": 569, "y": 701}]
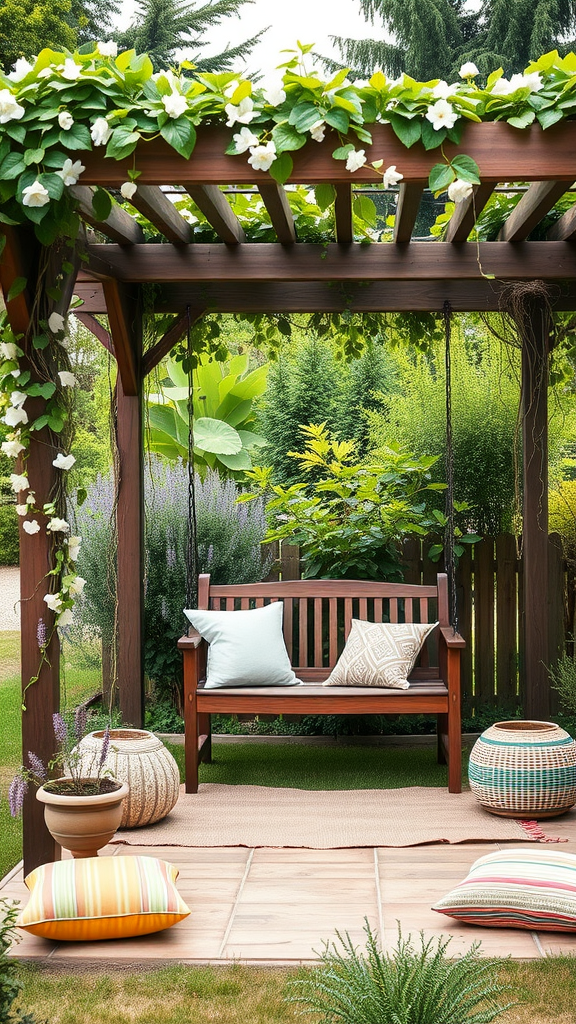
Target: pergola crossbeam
[
  {"x": 276, "y": 202},
  {"x": 409, "y": 197},
  {"x": 120, "y": 307},
  {"x": 157, "y": 208},
  {"x": 217, "y": 210},
  {"x": 172, "y": 336},
  {"x": 533, "y": 206},
  {"x": 343, "y": 214},
  {"x": 564, "y": 230},
  {"x": 467, "y": 212},
  {"x": 119, "y": 225}
]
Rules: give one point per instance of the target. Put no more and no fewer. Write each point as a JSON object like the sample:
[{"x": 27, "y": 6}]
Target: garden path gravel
[{"x": 9, "y": 596}]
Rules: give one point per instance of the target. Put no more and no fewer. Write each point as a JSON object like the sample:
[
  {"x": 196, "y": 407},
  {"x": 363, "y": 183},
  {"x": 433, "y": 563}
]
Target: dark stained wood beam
[
  {"x": 42, "y": 698},
  {"x": 409, "y": 196},
  {"x": 157, "y": 208},
  {"x": 502, "y": 153},
  {"x": 414, "y": 261},
  {"x": 533, "y": 206},
  {"x": 123, "y": 318},
  {"x": 119, "y": 225},
  {"x": 564, "y": 230},
  {"x": 318, "y": 297},
  {"x": 276, "y": 202},
  {"x": 217, "y": 210},
  {"x": 96, "y": 328},
  {"x": 343, "y": 214},
  {"x": 467, "y": 212},
  {"x": 175, "y": 332},
  {"x": 537, "y": 654}
]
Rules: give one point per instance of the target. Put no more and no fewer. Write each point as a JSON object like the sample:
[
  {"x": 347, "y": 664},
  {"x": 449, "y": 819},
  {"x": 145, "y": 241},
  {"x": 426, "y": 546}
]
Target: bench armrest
[
  {"x": 192, "y": 639},
  {"x": 452, "y": 639}
]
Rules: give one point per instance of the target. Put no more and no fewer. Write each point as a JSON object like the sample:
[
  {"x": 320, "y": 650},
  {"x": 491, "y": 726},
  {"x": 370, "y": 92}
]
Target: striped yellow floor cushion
[
  {"x": 102, "y": 898},
  {"x": 517, "y": 889}
]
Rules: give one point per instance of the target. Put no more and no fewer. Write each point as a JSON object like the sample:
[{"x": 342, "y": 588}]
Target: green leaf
[
  {"x": 45, "y": 390},
  {"x": 81, "y": 495},
  {"x": 122, "y": 142},
  {"x": 180, "y": 134},
  {"x": 342, "y": 152},
  {"x": 325, "y": 196},
  {"x": 303, "y": 116},
  {"x": 466, "y": 168},
  {"x": 408, "y": 130},
  {"x": 33, "y": 156},
  {"x": 338, "y": 119},
  {"x": 522, "y": 120},
  {"x": 40, "y": 341},
  {"x": 101, "y": 204},
  {"x": 549, "y": 117},
  {"x": 17, "y": 287},
  {"x": 440, "y": 177},
  {"x": 431, "y": 139},
  {"x": 215, "y": 436},
  {"x": 365, "y": 209},
  {"x": 285, "y": 137},
  {"x": 12, "y": 167},
  {"x": 281, "y": 169},
  {"x": 77, "y": 137},
  {"x": 42, "y": 421},
  {"x": 17, "y": 132}
]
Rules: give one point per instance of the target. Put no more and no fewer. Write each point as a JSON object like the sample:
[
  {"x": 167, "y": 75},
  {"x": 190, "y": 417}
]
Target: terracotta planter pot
[
  {"x": 524, "y": 769},
  {"x": 83, "y": 824},
  {"x": 140, "y": 759}
]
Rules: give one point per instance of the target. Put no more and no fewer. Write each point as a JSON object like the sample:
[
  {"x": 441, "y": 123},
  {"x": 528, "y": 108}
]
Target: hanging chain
[
  {"x": 449, "y": 554},
  {"x": 192, "y": 539}
]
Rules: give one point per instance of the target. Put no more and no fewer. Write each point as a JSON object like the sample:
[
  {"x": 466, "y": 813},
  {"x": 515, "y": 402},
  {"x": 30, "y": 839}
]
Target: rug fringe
[{"x": 537, "y": 835}]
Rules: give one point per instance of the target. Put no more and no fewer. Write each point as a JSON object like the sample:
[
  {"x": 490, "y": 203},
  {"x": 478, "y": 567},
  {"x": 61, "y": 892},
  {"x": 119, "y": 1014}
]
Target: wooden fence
[{"x": 489, "y": 583}]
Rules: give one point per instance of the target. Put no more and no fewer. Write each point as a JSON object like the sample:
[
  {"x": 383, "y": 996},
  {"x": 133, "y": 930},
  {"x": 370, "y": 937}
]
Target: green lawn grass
[{"x": 238, "y": 994}]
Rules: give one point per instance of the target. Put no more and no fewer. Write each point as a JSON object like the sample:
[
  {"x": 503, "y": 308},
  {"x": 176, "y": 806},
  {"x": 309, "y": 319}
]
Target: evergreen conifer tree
[
  {"x": 370, "y": 375},
  {"x": 432, "y": 38}
]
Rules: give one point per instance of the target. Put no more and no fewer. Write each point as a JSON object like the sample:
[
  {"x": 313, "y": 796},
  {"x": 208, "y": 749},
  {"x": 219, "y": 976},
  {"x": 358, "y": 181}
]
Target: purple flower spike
[
  {"x": 16, "y": 794},
  {"x": 80, "y": 720},
  {"x": 60, "y": 728},
  {"x": 37, "y": 766},
  {"x": 41, "y": 634},
  {"x": 105, "y": 746}
]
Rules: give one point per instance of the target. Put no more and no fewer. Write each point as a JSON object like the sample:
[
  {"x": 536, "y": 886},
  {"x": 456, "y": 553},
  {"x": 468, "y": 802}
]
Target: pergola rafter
[{"x": 288, "y": 276}]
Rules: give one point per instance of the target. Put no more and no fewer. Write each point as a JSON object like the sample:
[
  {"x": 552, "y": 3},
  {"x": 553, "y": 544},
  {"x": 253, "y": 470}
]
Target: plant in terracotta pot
[{"x": 83, "y": 804}]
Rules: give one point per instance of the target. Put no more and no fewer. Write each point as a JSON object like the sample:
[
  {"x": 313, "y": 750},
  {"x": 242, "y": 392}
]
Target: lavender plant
[{"x": 70, "y": 765}]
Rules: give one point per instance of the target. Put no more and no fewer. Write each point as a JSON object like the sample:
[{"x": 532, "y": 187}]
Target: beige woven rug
[{"x": 253, "y": 816}]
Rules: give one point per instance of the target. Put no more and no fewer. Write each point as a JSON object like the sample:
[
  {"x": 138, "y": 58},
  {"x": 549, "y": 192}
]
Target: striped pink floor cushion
[{"x": 517, "y": 889}]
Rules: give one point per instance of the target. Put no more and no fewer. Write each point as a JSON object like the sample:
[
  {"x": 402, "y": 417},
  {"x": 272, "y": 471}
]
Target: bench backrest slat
[{"x": 303, "y": 631}]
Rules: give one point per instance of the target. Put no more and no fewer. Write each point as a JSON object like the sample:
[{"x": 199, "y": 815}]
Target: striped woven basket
[{"x": 524, "y": 769}]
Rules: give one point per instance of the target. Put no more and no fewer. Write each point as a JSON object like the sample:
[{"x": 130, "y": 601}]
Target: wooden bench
[{"x": 317, "y": 619}]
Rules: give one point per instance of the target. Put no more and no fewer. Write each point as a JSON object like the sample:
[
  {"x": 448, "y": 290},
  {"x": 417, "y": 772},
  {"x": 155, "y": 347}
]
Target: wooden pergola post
[{"x": 536, "y": 326}]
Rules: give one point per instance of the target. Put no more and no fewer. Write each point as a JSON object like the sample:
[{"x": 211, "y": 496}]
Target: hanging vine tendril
[{"x": 192, "y": 545}]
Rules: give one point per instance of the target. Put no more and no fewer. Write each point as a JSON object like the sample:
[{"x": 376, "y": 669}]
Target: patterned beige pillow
[{"x": 379, "y": 654}]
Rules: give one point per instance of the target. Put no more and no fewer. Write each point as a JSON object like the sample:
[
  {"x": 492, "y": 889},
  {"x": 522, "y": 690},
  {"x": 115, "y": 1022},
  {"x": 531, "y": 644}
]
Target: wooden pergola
[{"x": 291, "y": 276}]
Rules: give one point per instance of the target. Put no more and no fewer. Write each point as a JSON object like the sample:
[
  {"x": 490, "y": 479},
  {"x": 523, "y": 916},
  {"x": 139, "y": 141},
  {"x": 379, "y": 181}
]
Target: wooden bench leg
[
  {"x": 191, "y": 743},
  {"x": 441, "y": 737},
  {"x": 205, "y": 729},
  {"x": 454, "y": 724}
]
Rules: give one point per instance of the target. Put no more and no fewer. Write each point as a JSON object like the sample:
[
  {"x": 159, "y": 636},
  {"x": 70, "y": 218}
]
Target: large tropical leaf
[{"x": 215, "y": 436}]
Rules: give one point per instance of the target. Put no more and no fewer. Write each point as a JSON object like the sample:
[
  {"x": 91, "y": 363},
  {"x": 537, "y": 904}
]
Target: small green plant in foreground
[
  {"x": 10, "y": 986},
  {"x": 407, "y": 986}
]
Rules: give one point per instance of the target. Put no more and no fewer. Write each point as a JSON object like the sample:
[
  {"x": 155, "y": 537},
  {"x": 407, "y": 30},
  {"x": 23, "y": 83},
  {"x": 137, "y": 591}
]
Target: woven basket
[
  {"x": 524, "y": 769},
  {"x": 139, "y": 758}
]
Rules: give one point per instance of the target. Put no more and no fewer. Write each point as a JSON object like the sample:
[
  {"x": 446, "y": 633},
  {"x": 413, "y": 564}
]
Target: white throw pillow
[
  {"x": 246, "y": 648},
  {"x": 379, "y": 654}
]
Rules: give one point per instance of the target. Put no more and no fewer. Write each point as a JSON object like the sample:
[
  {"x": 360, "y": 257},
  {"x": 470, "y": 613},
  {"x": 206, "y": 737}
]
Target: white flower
[
  {"x": 231, "y": 88},
  {"x": 189, "y": 217},
  {"x": 275, "y": 96},
  {"x": 35, "y": 194},
  {"x": 244, "y": 139},
  {"x": 356, "y": 159},
  {"x": 317, "y": 131},
  {"x": 171, "y": 78},
  {"x": 46, "y": 72},
  {"x": 128, "y": 189},
  {"x": 74, "y": 548},
  {"x": 459, "y": 190},
  {"x": 65, "y": 618},
  {"x": 31, "y": 526},
  {"x": 22, "y": 510},
  {"x": 8, "y": 350},
  {"x": 54, "y": 602},
  {"x": 391, "y": 176},
  {"x": 18, "y": 398},
  {"x": 12, "y": 448},
  {"x": 63, "y": 461},
  {"x": 21, "y": 69},
  {"x": 468, "y": 70},
  {"x": 262, "y": 157},
  {"x": 31, "y": 497},
  {"x": 100, "y": 131},
  {"x": 441, "y": 115},
  {"x": 442, "y": 90},
  {"x": 71, "y": 70},
  {"x": 10, "y": 109},
  {"x": 109, "y": 49},
  {"x": 174, "y": 104},
  {"x": 503, "y": 87},
  {"x": 533, "y": 81},
  {"x": 243, "y": 113},
  {"x": 15, "y": 373},
  {"x": 77, "y": 586},
  {"x": 58, "y": 526},
  {"x": 56, "y": 323},
  {"x": 67, "y": 379},
  {"x": 13, "y": 416},
  {"x": 71, "y": 171},
  {"x": 65, "y": 120},
  {"x": 19, "y": 482}
]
